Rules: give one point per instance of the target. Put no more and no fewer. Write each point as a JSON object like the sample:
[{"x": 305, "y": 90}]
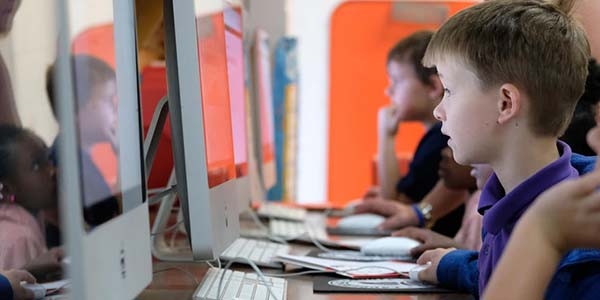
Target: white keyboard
[
  {"x": 296, "y": 230},
  {"x": 278, "y": 211},
  {"x": 260, "y": 252},
  {"x": 239, "y": 285}
]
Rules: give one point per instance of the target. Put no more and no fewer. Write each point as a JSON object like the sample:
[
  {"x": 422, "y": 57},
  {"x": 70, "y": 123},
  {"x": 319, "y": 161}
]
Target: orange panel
[{"x": 361, "y": 34}]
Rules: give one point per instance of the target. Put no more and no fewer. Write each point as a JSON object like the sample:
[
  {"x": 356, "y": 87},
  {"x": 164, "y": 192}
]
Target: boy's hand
[
  {"x": 434, "y": 257},
  {"x": 568, "y": 214},
  {"x": 388, "y": 120},
  {"x": 430, "y": 240},
  {"x": 398, "y": 215},
  {"x": 373, "y": 193},
  {"x": 15, "y": 277}
]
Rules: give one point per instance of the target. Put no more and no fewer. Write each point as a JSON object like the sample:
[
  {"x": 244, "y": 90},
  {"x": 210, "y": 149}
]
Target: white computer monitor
[
  {"x": 263, "y": 111},
  {"x": 234, "y": 44},
  {"x": 102, "y": 190},
  {"x": 201, "y": 124}
]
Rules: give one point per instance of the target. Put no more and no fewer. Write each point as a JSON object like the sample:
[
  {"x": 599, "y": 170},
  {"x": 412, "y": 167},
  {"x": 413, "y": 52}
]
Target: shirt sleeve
[
  {"x": 458, "y": 271},
  {"x": 6, "y": 291},
  {"x": 423, "y": 169},
  {"x": 577, "y": 277}
]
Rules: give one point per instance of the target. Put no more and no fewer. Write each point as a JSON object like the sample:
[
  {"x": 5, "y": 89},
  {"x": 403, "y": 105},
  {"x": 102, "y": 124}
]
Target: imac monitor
[
  {"x": 100, "y": 150},
  {"x": 200, "y": 112},
  {"x": 264, "y": 95},
  {"x": 237, "y": 95}
]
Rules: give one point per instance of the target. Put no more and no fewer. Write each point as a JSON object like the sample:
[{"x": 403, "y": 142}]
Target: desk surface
[
  {"x": 170, "y": 283},
  {"x": 175, "y": 284}
]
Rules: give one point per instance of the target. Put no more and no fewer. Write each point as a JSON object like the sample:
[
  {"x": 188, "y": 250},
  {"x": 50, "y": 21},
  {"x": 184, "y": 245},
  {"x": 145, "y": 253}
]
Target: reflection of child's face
[
  {"x": 409, "y": 96},
  {"x": 481, "y": 173},
  {"x": 98, "y": 118},
  {"x": 34, "y": 179},
  {"x": 455, "y": 176},
  {"x": 8, "y": 9}
]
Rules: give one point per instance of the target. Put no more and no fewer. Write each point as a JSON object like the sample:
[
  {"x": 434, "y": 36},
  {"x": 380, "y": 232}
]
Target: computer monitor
[
  {"x": 201, "y": 124},
  {"x": 263, "y": 95},
  {"x": 234, "y": 43},
  {"x": 106, "y": 225}
]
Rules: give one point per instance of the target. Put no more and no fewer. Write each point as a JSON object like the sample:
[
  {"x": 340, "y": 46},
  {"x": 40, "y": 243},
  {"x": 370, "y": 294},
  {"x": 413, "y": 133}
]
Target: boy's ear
[
  {"x": 509, "y": 102},
  {"x": 437, "y": 90}
]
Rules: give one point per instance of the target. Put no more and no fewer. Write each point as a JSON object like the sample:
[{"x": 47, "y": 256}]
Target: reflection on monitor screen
[
  {"x": 235, "y": 68},
  {"x": 215, "y": 99},
  {"x": 201, "y": 126},
  {"x": 100, "y": 150}
]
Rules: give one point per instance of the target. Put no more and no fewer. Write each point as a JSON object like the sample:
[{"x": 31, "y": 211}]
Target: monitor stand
[{"x": 161, "y": 249}]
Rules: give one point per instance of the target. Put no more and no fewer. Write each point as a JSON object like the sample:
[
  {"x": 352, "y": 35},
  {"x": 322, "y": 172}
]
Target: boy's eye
[{"x": 446, "y": 91}]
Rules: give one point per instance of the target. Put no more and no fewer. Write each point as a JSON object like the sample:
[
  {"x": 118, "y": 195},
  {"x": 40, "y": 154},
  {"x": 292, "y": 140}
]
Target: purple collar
[{"x": 501, "y": 209}]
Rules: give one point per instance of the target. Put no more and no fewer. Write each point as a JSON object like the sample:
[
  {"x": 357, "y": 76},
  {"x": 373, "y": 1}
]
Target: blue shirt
[
  {"x": 578, "y": 275},
  {"x": 6, "y": 291}
]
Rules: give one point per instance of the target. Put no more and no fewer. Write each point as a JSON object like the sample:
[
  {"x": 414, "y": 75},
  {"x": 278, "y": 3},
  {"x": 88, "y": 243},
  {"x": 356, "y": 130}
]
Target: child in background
[
  {"x": 586, "y": 114},
  {"x": 512, "y": 71},
  {"x": 414, "y": 91},
  {"x": 28, "y": 186}
]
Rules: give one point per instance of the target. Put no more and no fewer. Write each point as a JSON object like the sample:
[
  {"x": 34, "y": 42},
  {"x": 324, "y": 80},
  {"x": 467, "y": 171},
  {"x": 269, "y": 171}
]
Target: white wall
[
  {"x": 28, "y": 50},
  {"x": 308, "y": 20}
]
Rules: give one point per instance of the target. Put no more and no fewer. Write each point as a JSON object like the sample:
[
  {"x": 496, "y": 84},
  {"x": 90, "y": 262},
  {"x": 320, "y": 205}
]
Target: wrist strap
[{"x": 420, "y": 215}]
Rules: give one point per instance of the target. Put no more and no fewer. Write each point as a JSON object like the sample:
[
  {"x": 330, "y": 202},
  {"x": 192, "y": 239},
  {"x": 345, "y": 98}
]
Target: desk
[{"x": 174, "y": 284}]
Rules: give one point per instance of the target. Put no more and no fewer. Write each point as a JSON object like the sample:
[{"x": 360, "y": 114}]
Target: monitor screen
[
  {"x": 264, "y": 108},
  {"x": 237, "y": 94},
  {"x": 100, "y": 150},
  {"x": 212, "y": 58},
  {"x": 201, "y": 125}
]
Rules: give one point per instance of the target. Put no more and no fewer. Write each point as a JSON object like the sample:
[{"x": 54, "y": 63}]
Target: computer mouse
[
  {"x": 39, "y": 291},
  {"x": 390, "y": 246},
  {"x": 360, "y": 222}
]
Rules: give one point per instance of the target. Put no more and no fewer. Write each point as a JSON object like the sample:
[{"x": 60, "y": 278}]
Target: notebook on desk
[
  {"x": 330, "y": 284},
  {"x": 351, "y": 269}
]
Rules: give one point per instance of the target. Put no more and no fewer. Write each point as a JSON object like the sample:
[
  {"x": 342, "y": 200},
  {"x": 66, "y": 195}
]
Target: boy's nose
[{"x": 439, "y": 113}]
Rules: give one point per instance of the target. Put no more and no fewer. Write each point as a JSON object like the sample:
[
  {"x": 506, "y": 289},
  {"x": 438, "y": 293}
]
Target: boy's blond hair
[{"x": 535, "y": 45}]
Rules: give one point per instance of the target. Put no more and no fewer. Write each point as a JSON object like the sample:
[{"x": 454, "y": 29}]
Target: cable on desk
[
  {"x": 254, "y": 267},
  {"x": 179, "y": 269}
]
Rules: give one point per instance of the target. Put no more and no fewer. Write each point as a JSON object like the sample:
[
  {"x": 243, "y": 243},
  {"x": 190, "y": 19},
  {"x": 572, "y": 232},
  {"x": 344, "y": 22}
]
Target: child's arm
[
  {"x": 442, "y": 199},
  {"x": 453, "y": 269},
  {"x": 10, "y": 285},
  {"x": 564, "y": 217}
]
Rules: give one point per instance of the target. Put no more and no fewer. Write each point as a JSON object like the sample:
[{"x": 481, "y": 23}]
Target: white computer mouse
[
  {"x": 360, "y": 221},
  {"x": 390, "y": 246},
  {"x": 39, "y": 291}
]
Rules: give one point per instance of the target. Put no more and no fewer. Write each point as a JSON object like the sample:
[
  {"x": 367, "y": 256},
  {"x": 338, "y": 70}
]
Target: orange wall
[{"x": 361, "y": 34}]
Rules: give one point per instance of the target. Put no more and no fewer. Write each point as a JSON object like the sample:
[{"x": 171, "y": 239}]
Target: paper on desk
[
  {"x": 352, "y": 269},
  {"x": 54, "y": 285}
]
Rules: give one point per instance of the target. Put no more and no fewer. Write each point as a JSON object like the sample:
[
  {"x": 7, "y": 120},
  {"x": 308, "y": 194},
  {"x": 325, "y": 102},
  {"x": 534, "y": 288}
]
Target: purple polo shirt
[{"x": 501, "y": 211}]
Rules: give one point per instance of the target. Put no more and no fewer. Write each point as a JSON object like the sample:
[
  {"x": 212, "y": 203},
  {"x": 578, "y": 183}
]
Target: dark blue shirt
[
  {"x": 423, "y": 175},
  {"x": 578, "y": 275},
  {"x": 6, "y": 291},
  {"x": 423, "y": 169}
]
